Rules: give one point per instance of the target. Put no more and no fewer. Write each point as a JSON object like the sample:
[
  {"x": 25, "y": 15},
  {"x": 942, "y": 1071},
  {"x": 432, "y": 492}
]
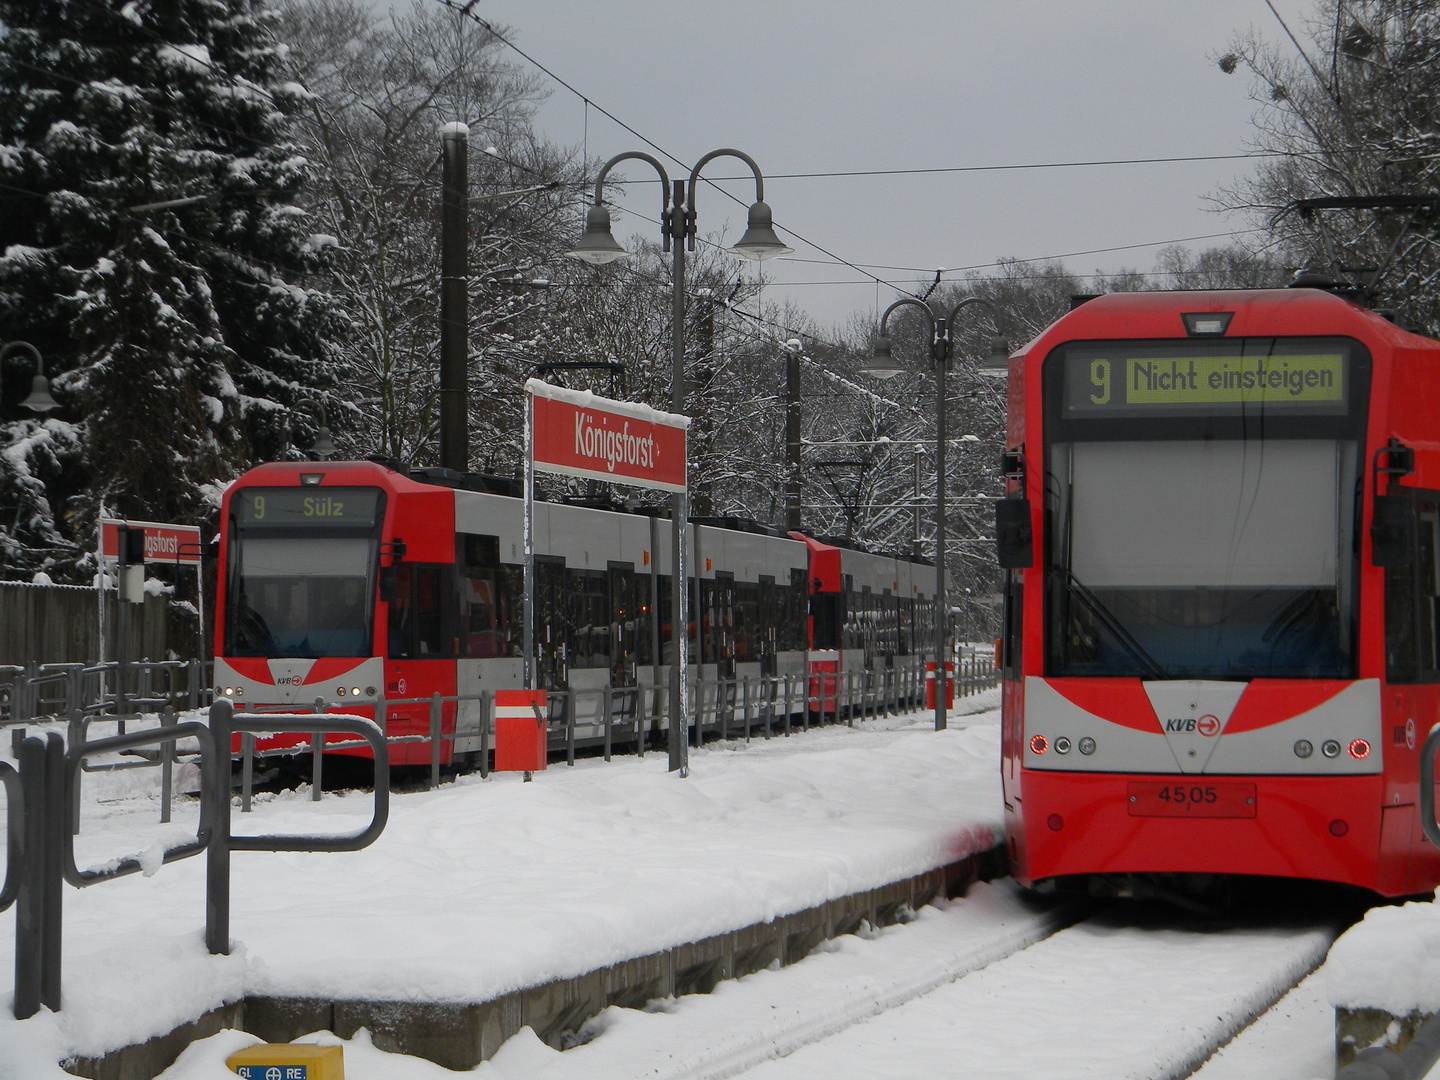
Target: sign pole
[{"x": 530, "y": 613}]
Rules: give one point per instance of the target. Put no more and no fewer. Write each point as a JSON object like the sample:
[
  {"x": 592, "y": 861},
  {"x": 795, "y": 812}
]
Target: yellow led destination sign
[
  {"x": 1134, "y": 380},
  {"x": 1207, "y": 380}
]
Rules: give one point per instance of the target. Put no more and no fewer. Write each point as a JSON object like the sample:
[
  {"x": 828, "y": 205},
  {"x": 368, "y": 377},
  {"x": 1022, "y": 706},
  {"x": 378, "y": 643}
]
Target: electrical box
[
  {"x": 520, "y": 736},
  {"x": 288, "y": 1061}
]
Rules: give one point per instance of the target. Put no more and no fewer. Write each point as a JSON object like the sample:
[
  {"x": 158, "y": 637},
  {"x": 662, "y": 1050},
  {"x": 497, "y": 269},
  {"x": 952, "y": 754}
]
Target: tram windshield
[
  {"x": 1228, "y": 556},
  {"x": 301, "y": 587}
]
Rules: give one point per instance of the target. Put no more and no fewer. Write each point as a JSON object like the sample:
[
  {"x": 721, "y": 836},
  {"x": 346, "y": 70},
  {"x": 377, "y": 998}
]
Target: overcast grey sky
[{"x": 810, "y": 86}]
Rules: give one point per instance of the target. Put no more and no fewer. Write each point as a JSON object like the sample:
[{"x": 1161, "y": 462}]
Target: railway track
[{"x": 990, "y": 986}]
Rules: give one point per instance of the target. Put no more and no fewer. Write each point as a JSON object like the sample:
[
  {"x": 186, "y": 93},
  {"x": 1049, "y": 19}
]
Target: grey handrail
[
  {"x": 1412, "y": 1063},
  {"x": 14, "y": 826},
  {"x": 1427, "y": 786},
  {"x": 129, "y": 864}
]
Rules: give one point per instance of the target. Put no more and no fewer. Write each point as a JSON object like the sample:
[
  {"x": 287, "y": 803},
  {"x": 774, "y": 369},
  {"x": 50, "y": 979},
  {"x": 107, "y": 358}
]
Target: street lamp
[
  {"x": 885, "y": 366},
  {"x": 597, "y": 246},
  {"x": 39, "y": 399}
]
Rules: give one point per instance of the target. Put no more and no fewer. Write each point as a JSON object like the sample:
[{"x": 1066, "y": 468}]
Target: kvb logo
[
  {"x": 290, "y": 680},
  {"x": 1207, "y": 725}
]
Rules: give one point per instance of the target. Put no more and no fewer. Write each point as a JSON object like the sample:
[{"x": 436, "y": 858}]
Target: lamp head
[
  {"x": 324, "y": 446},
  {"x": 883, "y": 365},
  {"x": 40, "y": 399},
  {"x": 760, "y": 241},
  {"x": 597, "y": 246},
  {"x": 998, "y": 362}
]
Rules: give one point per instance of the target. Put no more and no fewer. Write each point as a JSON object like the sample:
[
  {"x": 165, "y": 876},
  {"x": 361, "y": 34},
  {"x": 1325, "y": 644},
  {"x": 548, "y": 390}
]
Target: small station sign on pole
[
  {"x": 129, "y": 546},
  {"x": 577, "y": 433}
]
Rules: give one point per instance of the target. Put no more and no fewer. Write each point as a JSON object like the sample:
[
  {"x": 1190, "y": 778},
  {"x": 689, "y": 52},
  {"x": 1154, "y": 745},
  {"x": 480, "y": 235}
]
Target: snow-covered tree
[
  {"x": 381, "y": 88},
  {"x": 151, "y": 248},
  {"x": 1349, "y": 109}
]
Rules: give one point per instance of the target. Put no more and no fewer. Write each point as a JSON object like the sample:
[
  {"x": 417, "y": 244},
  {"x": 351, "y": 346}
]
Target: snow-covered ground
[{"x": 485, "y": 886}]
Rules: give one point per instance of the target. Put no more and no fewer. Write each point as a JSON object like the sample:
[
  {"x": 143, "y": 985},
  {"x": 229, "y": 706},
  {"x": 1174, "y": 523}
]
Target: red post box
[
  {"x": 520, "y": 730},
  {"x": 930, "y": 684}
]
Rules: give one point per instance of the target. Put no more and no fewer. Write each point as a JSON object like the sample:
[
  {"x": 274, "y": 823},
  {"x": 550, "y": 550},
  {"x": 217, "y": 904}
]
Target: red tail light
[
  {"x": 1359, "y": 749},
  {"x": 1039, "y": 744}
]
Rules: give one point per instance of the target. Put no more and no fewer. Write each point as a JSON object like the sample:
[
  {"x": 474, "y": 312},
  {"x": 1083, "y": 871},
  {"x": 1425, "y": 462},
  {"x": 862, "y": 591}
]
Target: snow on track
[{"x": 1107, "y": 999}]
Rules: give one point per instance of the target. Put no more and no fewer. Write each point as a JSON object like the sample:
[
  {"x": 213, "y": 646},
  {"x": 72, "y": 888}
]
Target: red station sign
[
  {"x": 579, "y": 434},
  {"x": 163, "y": 543}
]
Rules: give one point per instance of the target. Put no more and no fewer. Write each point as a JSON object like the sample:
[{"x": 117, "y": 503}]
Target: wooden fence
[{"x": 59, "y": 624}]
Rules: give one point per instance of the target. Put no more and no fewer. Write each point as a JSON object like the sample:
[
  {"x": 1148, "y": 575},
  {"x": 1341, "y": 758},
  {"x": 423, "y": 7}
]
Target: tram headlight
[
  {"x": 1330, "y": 748},
  {"x": 1359, "y": 749},
  {"x": 354, "y": 691},
  {"x": 1087, "y": 746},
  {"x": 1062, "y": 745},
  {"x": 229, "y": 691},
  {"x": 369, "y": 691},
  {"x": 340, "y": 691},
  {"x": 1039, "y": 744},
  {"x": 1304, "y": 748}
]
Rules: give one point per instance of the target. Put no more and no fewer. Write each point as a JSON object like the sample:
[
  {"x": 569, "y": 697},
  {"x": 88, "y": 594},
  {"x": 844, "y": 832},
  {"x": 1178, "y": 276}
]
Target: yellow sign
[
  {"x": 289, "y": 1061},
  {"x": 1221, "y": 380}
]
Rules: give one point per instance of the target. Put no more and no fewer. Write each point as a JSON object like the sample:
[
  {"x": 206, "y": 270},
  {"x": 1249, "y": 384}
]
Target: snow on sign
[
  {"x": 579, "y": 434},
  {"x": 163, "y": 543}
]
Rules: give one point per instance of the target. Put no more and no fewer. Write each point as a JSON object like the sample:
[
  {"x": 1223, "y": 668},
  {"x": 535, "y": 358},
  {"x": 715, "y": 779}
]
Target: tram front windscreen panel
[
  {"x": 302, "y": 571},
  {"x": 1201, "y": 501}
]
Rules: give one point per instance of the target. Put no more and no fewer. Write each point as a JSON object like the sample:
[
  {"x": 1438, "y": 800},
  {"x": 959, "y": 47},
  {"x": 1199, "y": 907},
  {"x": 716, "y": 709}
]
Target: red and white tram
[
  {"x": 352, "y": 581},
  {"x": 1221, "y": 541}
]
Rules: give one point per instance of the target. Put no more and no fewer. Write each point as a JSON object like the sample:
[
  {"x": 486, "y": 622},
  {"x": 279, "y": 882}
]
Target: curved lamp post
[
  {"x": 884, "y": 366},
  {"x": 39, "y": 399},
  {"x": 597, "y": 246}
]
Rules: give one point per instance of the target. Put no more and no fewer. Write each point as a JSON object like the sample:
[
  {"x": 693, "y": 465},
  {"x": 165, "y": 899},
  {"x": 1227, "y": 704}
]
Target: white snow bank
[
  {"x": 483, "y": 887},
  {"x": 1389, "y": 960}
]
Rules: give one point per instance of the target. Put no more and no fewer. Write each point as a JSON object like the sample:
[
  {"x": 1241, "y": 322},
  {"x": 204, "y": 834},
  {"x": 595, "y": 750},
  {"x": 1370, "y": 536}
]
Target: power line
[
  {"x": 1024, "y": 166},
  {"x": 467, "y": 13}
]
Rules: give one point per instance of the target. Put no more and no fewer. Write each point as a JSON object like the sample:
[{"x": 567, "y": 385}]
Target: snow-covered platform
[{"x": 488, "y": 905}]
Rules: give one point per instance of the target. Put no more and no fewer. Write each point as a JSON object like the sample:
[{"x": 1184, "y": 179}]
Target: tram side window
[
  {"x": 488, "y": 606},
  {"x": 826, "y": 613},
  {"x": 1412, "y": 600},
  {"x": 1013, "y": 614}
]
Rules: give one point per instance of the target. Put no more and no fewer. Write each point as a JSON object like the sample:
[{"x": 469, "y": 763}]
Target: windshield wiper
[{"x": 1117, "y": 629}]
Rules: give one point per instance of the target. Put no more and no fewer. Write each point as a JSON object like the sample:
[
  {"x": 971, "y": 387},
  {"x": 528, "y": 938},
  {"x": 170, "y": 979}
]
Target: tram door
[
  {"x": 552, "y": 669},
  {"x": 625, "y": 623},
  {"x": 767, "y": 629},
  {"x": 720, "y": 635}
]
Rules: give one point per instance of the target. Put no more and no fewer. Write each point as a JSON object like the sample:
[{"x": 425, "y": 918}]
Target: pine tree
[{"x": 150, "y": 247}]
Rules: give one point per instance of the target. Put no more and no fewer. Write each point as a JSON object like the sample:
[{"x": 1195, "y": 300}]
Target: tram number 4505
[{"x": 1150, "y": 798}]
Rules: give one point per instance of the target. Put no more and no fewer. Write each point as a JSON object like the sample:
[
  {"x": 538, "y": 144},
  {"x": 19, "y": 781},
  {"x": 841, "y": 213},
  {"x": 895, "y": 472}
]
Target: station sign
[
  {"x": 164, "y": 543},
  {"x": 577, "y": 433}
]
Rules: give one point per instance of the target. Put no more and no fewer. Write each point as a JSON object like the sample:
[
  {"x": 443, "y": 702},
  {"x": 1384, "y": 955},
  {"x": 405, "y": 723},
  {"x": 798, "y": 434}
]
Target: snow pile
[
  {"x": 483, "y": 887},
  {"x": 1390, "y": 960}
]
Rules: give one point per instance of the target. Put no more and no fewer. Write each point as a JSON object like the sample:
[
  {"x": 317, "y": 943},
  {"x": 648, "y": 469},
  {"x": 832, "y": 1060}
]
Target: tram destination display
[
  {"x": 335, "y": 507},
  {"x": 1175, "y": 380}
]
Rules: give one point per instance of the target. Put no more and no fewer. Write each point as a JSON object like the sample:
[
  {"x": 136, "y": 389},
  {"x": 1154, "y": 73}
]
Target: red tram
[
  {"x": 356, "y": 581},
  {"x": 1221, "y": 544}
]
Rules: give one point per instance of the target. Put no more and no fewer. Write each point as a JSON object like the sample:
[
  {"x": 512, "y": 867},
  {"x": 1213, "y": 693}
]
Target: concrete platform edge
[{"x": 461, "y": 1035}]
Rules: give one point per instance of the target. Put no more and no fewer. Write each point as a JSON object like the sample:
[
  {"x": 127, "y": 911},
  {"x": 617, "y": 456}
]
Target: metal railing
[
  {"x": 42, "y": 821},
  {"x": 34, "y": 691}
]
